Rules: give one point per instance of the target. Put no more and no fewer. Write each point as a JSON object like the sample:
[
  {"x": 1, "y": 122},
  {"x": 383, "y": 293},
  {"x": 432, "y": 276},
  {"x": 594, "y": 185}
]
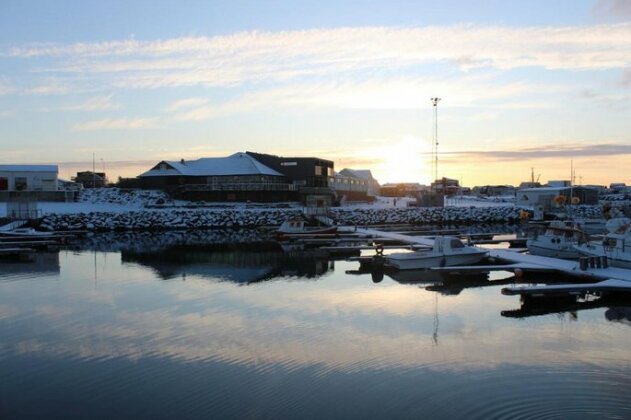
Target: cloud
[
  {"x": 397, "y": 94},
  {"x": 187, "y": 104},
  {"x": 262, "y": 57},
  {"x": 48, "y": 86},
  {"x": 7, "y": 114},
  {"x": 116, "y": 124},
  {"x": 97, "y": 103},
  {"x": 618, "y": 9},
  {"x": 547, "y": 151}
]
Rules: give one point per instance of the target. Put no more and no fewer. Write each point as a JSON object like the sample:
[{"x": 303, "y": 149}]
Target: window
[
  {"x": 318, "y": 170},
  {"x": 20, "y": 183},
  {"x": 289, "y": 164},
  {"x": 4, "y": 184}
]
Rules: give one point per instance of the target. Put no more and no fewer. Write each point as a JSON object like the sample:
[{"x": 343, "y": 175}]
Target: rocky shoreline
[{"x": 151, "y": 220}]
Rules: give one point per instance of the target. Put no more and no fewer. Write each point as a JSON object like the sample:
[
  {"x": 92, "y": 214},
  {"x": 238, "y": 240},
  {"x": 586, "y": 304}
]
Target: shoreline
[{"x": 149, "y": 220}]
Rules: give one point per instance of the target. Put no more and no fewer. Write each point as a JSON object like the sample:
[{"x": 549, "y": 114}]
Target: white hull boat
[
  {"x": 558, "y": 240},
  {"x": 25, "y": 232},
  {"x": 298, "y": 227},
  {"x": 447, "y": 251},
  {"x": 615, "y": 245}
]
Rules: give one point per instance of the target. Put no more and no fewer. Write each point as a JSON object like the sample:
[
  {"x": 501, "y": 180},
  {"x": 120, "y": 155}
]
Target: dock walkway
[{"x": 604, "y": 279}]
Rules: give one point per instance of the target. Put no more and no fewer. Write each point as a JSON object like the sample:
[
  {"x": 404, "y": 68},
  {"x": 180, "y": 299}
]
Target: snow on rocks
[
  {"x": 238, "y": 217},
  {"x": 135, "y": 198}
]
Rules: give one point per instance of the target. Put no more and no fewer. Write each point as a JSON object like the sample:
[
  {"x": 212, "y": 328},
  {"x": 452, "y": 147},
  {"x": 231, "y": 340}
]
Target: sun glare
[{"x": 404, "y": 161}]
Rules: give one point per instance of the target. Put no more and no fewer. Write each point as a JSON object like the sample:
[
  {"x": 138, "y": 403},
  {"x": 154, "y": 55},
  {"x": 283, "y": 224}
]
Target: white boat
[
  {"x": 297, "y": 226},
  {"x": 557, "y": 240},
  {"x": 25, "y": 232},
  {"x": 615, "y": 245},
  {"x": 447, "y": 251}
]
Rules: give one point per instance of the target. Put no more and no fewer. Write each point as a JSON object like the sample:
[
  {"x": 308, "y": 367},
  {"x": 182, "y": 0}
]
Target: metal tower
[{"x": 435, "y": 135}]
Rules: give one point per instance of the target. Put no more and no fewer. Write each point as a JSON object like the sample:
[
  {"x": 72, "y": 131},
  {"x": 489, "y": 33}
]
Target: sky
[{"x": 526, "y": 87}]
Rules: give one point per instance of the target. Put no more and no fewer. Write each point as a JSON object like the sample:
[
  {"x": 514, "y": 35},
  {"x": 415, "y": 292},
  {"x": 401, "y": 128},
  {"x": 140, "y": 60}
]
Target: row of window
[
  {"x": 346, "y": 181},
  {"x": 20, "y": 184}
]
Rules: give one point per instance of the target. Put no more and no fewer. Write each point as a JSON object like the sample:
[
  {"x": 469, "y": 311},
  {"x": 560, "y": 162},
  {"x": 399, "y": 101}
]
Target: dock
[{"x": 592, "y": 278}]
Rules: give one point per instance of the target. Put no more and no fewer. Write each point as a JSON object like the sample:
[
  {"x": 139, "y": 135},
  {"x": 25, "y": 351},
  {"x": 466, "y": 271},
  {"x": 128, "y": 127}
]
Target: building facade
[
  {"x": 373, "y": 188},
  {"x": 238, "y": 177},
  {"x": 550, "y": 197},
  {"x": 349, "y": 188},
  {"x": 309, "y": 175},
  {"x": 89, "y": 179},
  {"x": 28, "y": 177}
]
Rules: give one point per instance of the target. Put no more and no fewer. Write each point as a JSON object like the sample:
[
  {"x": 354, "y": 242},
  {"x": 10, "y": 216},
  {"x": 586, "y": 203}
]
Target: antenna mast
[{"x": 435, "y": 139}]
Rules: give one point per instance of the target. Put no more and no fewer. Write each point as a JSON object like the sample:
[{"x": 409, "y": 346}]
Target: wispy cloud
[
  {"x": 7, "y": 114},
  {"x": 96, "y": 103},
  {"x": 547, "y": 151},
  {"x": 255, "y": 57},
  {"x": 187, "y": 103},
  {"x": 398, "y": 94},
  {"x": 116, "y": 124}
]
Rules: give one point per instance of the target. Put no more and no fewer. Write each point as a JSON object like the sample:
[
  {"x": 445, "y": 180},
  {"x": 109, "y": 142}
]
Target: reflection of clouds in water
[{"x": 337, "y": 323}]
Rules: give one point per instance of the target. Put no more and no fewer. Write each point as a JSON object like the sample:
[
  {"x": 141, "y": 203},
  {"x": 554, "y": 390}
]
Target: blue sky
[{"x": 524, "y": 84}]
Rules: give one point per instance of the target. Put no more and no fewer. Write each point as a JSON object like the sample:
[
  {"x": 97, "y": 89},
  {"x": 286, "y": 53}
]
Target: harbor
[
  {"x": 163, "y": 307},
  {"x": 327, "y": 210}
]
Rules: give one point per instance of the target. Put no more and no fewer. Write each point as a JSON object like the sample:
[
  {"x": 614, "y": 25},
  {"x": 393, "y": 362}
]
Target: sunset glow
[{"x": 519, "y": 89}]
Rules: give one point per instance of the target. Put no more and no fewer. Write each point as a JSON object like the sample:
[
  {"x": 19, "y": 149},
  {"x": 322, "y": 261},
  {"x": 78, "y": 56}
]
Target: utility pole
[
  {"x": 93, "y": 172},
  {"x": 435, "y": 139}
]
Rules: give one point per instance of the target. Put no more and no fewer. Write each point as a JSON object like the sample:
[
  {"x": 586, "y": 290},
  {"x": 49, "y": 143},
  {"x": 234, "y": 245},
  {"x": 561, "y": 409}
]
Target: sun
[{"x": 403, "y": 161}]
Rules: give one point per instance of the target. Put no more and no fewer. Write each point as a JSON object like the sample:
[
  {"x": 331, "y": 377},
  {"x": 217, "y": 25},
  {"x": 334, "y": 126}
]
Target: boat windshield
[{"x": 455, "y": 243}]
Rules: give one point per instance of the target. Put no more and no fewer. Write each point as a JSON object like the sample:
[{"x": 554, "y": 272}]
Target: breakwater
[{"x": 154, "y": 220}]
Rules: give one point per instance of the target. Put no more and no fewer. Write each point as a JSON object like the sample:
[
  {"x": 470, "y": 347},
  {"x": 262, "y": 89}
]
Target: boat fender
[{"x": 443, "y": 262}]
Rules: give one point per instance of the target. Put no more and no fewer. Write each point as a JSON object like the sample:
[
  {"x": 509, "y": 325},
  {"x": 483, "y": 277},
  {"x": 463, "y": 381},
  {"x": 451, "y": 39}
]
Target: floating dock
[{"x": 594, "y": 277}]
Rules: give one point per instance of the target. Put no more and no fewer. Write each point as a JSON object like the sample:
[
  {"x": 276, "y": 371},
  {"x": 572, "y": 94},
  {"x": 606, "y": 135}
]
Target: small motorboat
[
  {"x": 615, "y": 245},
  {"x": 446, "y": 251},
  {"x": 298, "y": 226},
  {"x": 25, "y": 232},
  {"x": 557, "y": 239}
]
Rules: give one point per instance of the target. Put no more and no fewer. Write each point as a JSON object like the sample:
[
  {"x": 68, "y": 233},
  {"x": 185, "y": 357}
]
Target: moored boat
[
  {"x": 557, "y": 239},
  {"x": 446, "y": 251},
  {"x": 298, "y": 226},
  {"x": 615, "y": 245},
  {"x": 25, "y": 232}
]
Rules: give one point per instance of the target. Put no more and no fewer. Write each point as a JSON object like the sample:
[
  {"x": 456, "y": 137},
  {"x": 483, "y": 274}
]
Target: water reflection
[
  {"x": 418, "y": 344},
  {"x": 618, "y": 307},
  {"x": 44, "y": 263},
  {"x": 239, "y": 266}
]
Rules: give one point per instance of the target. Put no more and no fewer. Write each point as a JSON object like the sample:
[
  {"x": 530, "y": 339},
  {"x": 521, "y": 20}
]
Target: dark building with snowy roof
[
  {"x": 309, "y": 176},
  {"x": 238, "y": 177}
]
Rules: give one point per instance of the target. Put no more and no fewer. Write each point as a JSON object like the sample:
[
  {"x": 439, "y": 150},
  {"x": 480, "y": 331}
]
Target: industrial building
[
  {"x": 28, "y": 177},
  {"x": 550, "y": 197}
]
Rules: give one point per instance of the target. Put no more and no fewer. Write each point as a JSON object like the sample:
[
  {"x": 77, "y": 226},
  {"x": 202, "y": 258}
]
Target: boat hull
[
  {"x": 417, "y": 261},
  {"x": 285, "y": 234},
  {"x": 614, "y": 258},
  {"x": 549, "y": 250}
]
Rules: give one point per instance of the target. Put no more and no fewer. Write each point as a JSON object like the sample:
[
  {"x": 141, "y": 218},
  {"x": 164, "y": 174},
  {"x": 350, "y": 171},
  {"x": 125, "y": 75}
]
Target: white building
[
  {"x": 373, "y": 187},
  {"x": 28, "y": 177}
]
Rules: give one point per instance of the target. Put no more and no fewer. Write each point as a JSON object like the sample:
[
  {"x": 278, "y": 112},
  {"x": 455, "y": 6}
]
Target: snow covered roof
[
  {"x": 29, "y": 168},
  {"x": 554, "y": 189},
  {"x": 236, "y": 164},
  {"x": 359, "y": 173}
]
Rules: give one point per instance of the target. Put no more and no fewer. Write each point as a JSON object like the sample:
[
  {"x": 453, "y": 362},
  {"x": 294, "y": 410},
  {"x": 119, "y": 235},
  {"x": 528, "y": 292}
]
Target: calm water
[{"x": 133, "y": 327}]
